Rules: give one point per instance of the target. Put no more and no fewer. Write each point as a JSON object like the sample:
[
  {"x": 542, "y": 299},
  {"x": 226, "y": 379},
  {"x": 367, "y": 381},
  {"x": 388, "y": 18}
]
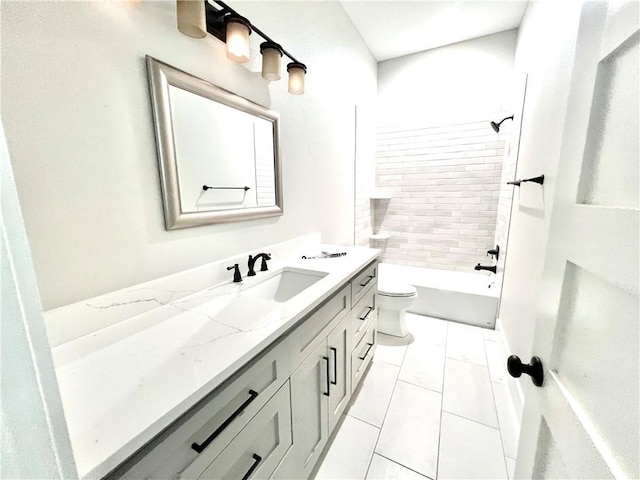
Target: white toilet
[{"x": 393, "y": 299}]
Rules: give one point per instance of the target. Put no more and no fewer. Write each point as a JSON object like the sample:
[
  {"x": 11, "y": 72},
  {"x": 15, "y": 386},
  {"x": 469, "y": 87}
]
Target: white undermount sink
[{"x": 284, "y": 284}]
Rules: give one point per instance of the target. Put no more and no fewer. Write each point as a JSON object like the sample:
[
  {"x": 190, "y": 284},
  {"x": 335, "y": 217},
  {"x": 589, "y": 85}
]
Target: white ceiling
[{"x": 396, "y": 28}]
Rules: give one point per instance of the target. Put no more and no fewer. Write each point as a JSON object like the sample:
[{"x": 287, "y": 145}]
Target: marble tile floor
[{"x": 433, "y": 405}]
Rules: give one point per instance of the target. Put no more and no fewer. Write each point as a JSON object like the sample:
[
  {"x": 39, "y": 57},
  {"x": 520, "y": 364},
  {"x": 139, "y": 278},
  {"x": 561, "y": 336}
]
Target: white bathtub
[{"x": 469, "y": 298}]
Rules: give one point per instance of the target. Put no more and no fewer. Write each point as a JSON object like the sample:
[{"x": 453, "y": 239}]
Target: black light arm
[{"x": 216, "y": 24}]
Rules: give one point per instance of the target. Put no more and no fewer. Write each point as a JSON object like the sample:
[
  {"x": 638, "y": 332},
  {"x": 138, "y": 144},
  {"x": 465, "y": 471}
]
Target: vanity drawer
[
  {"x": 258, "y": 448},
  {"x": 362, "y": 355},
  {"x": 197, "y": 438},
  {"x": 313, "y": 331},
  {"x": 362, "y": 315},
  {"x": 361, "y": 284}
]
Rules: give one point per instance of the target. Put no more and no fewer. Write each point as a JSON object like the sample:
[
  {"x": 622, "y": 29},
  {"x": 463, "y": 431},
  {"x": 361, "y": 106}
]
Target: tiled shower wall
[
  {"x": 365, "y": 173},
  {"x": 445, "y": 184}
]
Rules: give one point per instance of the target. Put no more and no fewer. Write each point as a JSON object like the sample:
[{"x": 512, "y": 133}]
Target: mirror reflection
[
  {"x": 224, "y": 155},
  {"x": 218, "y": 153}
]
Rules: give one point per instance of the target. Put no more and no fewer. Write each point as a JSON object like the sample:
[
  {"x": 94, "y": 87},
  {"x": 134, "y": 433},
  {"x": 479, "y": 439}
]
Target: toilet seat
[{"x": 396, "y": 290}]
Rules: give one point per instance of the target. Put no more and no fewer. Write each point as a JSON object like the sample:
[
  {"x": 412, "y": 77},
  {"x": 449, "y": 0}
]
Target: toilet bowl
[{"x": 393, "y": 299}]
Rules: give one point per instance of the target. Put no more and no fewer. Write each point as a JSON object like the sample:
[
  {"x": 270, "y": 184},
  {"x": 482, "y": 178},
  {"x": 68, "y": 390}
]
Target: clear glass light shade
[
  {"x": 238, "y": 41},
  {"x": 296, "y": 78},
  {"x": 191, "y": 18},
  {"x": 271, "y": 63}
]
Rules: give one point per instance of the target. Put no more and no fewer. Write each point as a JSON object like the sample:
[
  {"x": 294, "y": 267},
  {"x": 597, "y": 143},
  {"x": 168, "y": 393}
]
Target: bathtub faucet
[{"x": 484, "y": 267}]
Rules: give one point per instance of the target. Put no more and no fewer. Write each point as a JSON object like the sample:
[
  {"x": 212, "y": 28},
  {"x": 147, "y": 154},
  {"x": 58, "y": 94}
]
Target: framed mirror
[{"x": 219, "y": 154}]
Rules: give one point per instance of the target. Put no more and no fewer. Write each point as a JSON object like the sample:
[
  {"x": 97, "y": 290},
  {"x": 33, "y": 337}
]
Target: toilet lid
[{"x": 396, "y": 290}]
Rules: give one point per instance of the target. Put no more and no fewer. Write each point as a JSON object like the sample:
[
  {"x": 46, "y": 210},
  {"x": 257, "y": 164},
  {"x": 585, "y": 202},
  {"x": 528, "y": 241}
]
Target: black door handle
[
  {"x": 328, "y": 392},
  {"x": 335, "y": 365},
  {"x": 369, "y": 278},
  {"x": 367, "y": 352},
  {"x": 366, "y": 315},
  {"x": 256, "y": 460},
  {"x": 200, "y": 447},
  {"x": 533, "y": 368}
]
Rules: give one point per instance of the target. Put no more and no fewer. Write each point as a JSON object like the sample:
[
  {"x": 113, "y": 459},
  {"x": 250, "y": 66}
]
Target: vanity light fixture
[
  {"x": 191, "y": 18},
  {"x": 227, "y": 25},
  {"x": 297, "y": 72},
  {"x": 271, "y": 55},
  {"x": 238, "y": 31}
]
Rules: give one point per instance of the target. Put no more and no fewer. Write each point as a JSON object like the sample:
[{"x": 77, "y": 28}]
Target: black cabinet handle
[
  {"x": 371, "y": 277},
  {"x": 367, "y": 352},
  {"x": 200, "y": 447},
  {"x": 366, "y": 315},
  {"x": 533, "y": 368},
  {"x": 326, "y": 394},
  {"x": 257, "y": 459},
  {"x": 335, "y": 365}
]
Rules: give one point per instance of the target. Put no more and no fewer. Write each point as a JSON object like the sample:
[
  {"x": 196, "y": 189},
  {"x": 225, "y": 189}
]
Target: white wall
[
  {"x": 34, "y": 441},
  {"x": 546, "y": 43},
  {"x": 76, "y": 110},
  {"x": 450, "y": 82}
]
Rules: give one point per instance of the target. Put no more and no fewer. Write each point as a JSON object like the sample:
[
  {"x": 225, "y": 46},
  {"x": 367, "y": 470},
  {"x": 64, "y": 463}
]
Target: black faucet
[
  {"x": 236, "y": 273},
  {"x": 253, "y": 260},
  {"x": 484, "y": 267},
  {"x": 494, "y": 252}
]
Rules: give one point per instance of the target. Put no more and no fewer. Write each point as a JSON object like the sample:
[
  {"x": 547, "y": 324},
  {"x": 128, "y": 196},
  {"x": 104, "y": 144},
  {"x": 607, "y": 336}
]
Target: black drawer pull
[
  {"x": 199, "y": 448},
  {"x": 366, "y": 315},
  {"x": 335, "y": 366},
  {"x": 368, "y": 281},
  {"x": 326, "y": 394},
  {"x": 257, "y": 459},
  {"x": 367, "y": 352}
]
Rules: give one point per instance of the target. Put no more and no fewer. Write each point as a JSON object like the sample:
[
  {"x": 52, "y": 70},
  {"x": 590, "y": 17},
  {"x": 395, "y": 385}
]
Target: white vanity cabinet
[
  {"x": 320, "y": 391},
  {"x": 340, "y": 372},
  {"x": 321, "y": 386},
  {"x": 259, "y": 447},
  {"x": 189, "y": 446},
  {"x": 273, "y": 418}
]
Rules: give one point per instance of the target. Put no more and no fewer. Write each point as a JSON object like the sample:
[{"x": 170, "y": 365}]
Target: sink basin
[{"x": 284, "y": 284}]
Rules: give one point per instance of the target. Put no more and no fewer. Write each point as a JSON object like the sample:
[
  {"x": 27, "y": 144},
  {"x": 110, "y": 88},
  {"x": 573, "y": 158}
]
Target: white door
[
  {"x": 583, "y": 421},
  {"x": 35, "y": 442}
]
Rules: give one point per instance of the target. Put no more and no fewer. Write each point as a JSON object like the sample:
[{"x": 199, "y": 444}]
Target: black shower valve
[{"x": 494, "y": 252}]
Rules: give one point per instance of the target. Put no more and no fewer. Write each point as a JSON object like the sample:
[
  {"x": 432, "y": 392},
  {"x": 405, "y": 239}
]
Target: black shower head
[{"x": 496, "y": 126}]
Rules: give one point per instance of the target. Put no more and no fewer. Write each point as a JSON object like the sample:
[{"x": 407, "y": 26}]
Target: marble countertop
[{"x": 123, "y": 384}]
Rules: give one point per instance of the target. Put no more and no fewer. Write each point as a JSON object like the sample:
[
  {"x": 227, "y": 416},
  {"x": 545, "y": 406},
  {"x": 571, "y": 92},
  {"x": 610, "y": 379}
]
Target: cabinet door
[
  {"x": 259, "y": 447},
  {"x": 362, "y": 315},
  {"x": 363, "y": 282},
  {"x": 309, "y": 407},
  {"x": 362, "y": 355},
  {"x": 211, "y": 424},
  {"x": 314, "y": 329},
  {"x": 340, "y": 370}
]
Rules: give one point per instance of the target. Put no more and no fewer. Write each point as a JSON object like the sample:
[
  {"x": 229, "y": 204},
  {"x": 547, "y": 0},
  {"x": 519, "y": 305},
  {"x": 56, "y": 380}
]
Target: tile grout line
[
  {"x": 384, "y": 418},
  {"x": 404, "y": 466},
  {"x": 444, "y": 369},
  {"x": 364, "y": 421},
  {"x": 495, "y": 406},
  {"x": 471, "y": 420}
]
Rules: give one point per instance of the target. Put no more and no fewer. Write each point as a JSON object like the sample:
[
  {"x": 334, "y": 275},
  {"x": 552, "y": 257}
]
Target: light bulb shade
[
  {"x": 190, "y": 15},
  {"x": 271, "y": 55},
  {"x": 238, "y": 31},
  {"x": 297, "y": 71}
]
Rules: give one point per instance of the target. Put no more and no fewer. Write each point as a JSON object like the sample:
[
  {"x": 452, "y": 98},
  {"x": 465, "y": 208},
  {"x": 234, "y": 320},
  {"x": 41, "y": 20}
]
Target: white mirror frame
[{"x": 161, "y": 76}]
